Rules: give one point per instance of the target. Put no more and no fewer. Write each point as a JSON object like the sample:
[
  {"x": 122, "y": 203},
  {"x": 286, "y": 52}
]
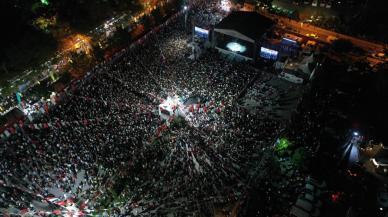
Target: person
[{"x": 105, "y": 140}]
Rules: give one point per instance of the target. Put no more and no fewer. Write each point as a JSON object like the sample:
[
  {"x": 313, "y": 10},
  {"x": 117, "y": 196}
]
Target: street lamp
[{"x": 185, "y": 10}]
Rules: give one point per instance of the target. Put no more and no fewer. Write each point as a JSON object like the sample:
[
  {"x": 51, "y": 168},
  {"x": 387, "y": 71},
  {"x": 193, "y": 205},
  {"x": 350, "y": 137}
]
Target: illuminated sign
[
  {"x": 268, "y": 53},
  {"x": 225, "y": 5},
  {"x": 289, "y": 40},
  {"x": 201, "y": 31},
  {"x": 236, "y": 47}
]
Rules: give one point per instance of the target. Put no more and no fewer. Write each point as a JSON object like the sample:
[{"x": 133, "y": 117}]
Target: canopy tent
[
  {"x": 297, "y": 212},
  {"x": 306, "y": 66}
]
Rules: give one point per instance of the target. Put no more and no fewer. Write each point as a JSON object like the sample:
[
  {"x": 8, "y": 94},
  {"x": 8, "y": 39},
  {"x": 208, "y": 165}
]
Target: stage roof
[{"x": 249, "y": 24}]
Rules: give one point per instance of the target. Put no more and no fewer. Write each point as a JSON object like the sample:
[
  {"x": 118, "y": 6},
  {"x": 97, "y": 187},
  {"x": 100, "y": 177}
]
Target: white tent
[
  {"x": 297, "y": 212},
  {"x": 305, "y": 68},
  {"x": 304, "y": 204}
]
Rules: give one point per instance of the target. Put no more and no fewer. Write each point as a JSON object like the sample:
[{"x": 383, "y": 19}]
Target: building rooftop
[{"x": 250, "y": 24}]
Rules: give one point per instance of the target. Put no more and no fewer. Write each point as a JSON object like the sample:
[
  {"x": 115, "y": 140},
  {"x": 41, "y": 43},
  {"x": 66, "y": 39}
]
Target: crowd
[
  {"x": 206, "y": 16},
  {"x": 117, "y": 164}
]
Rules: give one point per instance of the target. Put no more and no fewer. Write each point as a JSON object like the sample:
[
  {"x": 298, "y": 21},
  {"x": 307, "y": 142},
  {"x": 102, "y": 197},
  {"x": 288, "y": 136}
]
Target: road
[
  {"x": 305, "y": 11},
  {"x": 323, "y": 34},
  {"x": 99, "y": 34}
]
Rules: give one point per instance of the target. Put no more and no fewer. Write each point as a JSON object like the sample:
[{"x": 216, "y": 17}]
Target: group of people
[{"x": 118, "y": 164}]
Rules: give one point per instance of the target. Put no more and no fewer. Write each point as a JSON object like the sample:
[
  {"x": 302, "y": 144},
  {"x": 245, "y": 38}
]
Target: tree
[
  {"x": 299, "y": 156},
  {"x": 265, "y": 2},
  {"x": 342, "y": 45},
  {"x": 121, "y": 37},
  {"x": 282, "y": 146},
  {"x": 157, "y": 13},
  {"x": 146, "y": 20}
]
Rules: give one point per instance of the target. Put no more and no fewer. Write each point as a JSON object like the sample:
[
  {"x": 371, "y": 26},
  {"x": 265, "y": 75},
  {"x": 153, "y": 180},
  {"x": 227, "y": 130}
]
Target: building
[{"x": 241, "y": 34}]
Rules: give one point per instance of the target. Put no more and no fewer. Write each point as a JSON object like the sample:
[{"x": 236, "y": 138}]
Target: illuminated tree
[
  {"x": 282, "y": 146},
  {"x": 299, "y": 156},
  {"x": 44, "y": 2},
  {"x": 44, "y": 24}
]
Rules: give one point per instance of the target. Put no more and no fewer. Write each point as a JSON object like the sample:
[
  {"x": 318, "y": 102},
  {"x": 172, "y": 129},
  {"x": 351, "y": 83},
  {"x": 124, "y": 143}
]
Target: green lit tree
[
  {"x": 282, "y": 146},
  {"x": 299, "y": 157}
]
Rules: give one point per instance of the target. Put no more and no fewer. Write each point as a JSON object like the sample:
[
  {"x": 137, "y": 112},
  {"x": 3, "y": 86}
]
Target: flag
[
  {"x": 46, "y": 107},
  {"x": 19, "y": 97},
  {"x": 57, "y": 212},
  {"x": 13, "y": 130},
  {"x": 30, "y": 118},
  {"x": 58, "y": 124},
  {"x": 21, "y": 124}
]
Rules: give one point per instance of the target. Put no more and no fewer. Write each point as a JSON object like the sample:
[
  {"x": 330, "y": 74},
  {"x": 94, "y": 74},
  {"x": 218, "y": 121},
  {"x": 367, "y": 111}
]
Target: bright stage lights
[
  {"x": 44, "y": 2},
  {"x": 236, "y": 47},
  {"x": 225, "y": 5}
]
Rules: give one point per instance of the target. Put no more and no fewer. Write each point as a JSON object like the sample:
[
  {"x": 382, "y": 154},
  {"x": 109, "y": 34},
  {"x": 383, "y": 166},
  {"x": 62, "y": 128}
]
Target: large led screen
[
  {"x": 235, "y": 45},
  {"x": 268, "y": 53},
  {"x": 201, "y": 33}
]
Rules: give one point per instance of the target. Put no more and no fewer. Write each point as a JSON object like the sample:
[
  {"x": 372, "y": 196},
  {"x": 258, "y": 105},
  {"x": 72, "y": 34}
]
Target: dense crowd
[{"x": 115, "y": 162}]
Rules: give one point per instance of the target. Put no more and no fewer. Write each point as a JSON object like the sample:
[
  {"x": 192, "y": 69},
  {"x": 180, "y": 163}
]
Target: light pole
[{"x": 185, "y": 10}]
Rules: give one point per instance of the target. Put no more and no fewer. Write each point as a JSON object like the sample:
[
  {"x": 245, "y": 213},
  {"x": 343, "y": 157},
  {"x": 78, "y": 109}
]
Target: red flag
[
  {"x": 57, "y": 212},
  {"x": 24, "y": 211},
  {"x": 46, "y": 108},
  {"x": 12, "y": 130},
  {"x": 61, "y": 203},
  {"x": 82, "y": 206},
  {"x": 170, "y": 119}
]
